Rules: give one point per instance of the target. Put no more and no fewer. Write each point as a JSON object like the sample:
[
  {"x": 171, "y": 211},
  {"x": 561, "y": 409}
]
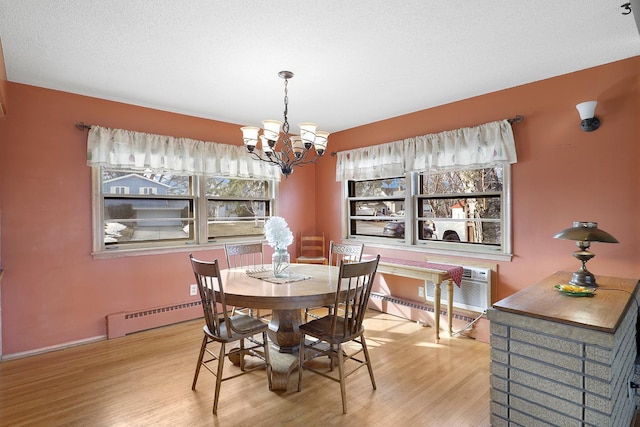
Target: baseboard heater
[
  {"x": 123, "y": 323},
  {"x": 414, "y": 305}
]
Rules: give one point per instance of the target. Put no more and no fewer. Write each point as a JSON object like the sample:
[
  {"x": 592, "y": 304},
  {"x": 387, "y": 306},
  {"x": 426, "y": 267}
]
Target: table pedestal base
[
  {"x": 285, "y": 340},
  {"x": 282, "y": 366}
]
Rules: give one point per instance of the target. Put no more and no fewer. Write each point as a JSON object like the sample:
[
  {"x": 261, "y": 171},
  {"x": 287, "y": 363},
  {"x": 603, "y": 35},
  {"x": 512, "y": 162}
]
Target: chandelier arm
[
  {"x": 257, "y": 156},
  {"x": 304, "y": 161}
]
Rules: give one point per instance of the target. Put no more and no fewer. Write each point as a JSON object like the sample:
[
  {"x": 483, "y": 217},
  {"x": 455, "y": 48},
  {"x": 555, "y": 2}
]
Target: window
[
  {"x": 236, "y": 207},
  {"x": 376, "y": 207},
  {"x": 465, "y": 210},
  {"x": 116, "y": 189},
  {"x": 148, "y": 190},
  {"x": 147, "y": 210}
]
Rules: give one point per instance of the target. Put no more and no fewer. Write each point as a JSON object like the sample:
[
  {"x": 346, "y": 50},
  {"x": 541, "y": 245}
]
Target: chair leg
[
  {"x": 203, "y": 346},
  {"x": 218, "y": 378},
  {"x": 366, "y": 356},
  {"x": 343, "y": 391},
  {"x": 267, "y": 358},
  {"x": 241, "y": 354},
  {"x": 301, "y": 352}
]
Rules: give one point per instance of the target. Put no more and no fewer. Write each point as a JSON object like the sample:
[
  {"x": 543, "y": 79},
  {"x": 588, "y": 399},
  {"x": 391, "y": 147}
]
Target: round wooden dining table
[{"x": 316, "y": 287}]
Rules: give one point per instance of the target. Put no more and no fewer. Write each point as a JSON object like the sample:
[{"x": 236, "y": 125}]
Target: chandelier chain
[{"x": 285, "y": 125}]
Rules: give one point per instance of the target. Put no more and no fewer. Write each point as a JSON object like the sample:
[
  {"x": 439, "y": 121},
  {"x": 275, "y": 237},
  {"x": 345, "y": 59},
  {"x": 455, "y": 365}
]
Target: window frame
[
  {"x": 411, "y": 241},
  {"x": 197, "y": 239}
]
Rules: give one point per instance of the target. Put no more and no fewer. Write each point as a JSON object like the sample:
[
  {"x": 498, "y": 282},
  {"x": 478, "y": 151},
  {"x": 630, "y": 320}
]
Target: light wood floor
[{"x": 144, "y": 379}]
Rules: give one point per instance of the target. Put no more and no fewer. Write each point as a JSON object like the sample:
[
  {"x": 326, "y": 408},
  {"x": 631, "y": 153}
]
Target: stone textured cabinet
[{"x": 561, "y": 360}]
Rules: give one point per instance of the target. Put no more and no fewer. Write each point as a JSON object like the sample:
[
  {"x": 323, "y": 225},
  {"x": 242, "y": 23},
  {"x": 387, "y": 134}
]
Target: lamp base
[{"x": 583, "y": 278}]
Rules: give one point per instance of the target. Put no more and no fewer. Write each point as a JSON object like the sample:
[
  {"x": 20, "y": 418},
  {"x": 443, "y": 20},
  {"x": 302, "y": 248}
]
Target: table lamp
[{"x": 584, "y": 233}]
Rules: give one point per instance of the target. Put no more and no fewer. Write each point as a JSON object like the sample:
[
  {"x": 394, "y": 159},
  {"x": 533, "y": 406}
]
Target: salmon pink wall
[
  {"x": 563, "y": 174},
  {"x": 53, "y": 291}
]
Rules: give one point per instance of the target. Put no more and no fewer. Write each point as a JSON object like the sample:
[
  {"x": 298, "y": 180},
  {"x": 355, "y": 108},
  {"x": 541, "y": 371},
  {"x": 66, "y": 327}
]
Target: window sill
[
  {"x": 122, "y": 253},
  {"x": 490, "y": 256}
]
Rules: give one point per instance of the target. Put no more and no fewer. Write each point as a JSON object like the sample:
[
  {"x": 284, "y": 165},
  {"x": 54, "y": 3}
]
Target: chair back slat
[
  {"x": 244, "y": 255},
  {"x": 208, "y": 280},
  {"x": 355, "y": 280},
  {"x": 344, "y": 252}
]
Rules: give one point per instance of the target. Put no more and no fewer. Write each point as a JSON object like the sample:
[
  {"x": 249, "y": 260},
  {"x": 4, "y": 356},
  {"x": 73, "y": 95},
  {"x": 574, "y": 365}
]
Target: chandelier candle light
[
  {"x": 279, "y": 237},
  {"x": 293, "y": 150}
]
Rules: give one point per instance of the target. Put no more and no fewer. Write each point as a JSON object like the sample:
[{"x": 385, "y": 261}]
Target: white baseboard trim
[{"x": 42, "y": 350}]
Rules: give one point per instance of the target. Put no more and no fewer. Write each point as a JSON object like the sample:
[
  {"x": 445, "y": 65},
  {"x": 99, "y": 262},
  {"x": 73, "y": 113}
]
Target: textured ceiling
[{"x": 354, "y": 62}]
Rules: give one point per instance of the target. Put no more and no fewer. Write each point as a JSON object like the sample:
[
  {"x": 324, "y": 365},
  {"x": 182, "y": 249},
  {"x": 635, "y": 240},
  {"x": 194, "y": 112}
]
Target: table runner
[
  {"x": 267, "y": 276},
  {"x": 455, "y": 271}
]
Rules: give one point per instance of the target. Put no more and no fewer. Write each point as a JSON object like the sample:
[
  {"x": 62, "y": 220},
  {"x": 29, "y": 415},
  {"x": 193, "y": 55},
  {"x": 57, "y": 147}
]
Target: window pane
[
  {"x": 389, "y": 229},
  {"x": 129, "y": 182},
  {"x": 470, "y": 220},
  {"x": 456, "y": 217},
  {"x": 463, "y": 181},
  {"x": 378, "y": 208},
  {"x": 148, "y": 219},
  {"x": 236, "y": 218},
  {"x": 380, "y": 187},
  {"x": 240, "y": 188},
  {"x": 483, "y": 207}
]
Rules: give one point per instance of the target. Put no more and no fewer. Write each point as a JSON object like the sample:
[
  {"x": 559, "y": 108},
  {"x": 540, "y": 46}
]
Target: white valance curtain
[
  {"x": 487, "y": 144},
  {"x": 118, "y": 148}
]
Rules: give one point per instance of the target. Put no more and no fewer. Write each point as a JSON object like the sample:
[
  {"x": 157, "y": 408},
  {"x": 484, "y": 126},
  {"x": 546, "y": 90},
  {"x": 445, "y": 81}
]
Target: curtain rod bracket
[{"x": 82, "y": 126}]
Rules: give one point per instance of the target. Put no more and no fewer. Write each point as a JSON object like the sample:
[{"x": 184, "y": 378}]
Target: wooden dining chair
[
  {"x": 345, "y": 252},
  {"x": 312, "y": 250},
  {"x": 338, "y": 252},
  {"x": 223, "y": 329},
  {"x": 245, "y": 256},
  {"x": 342, "y": 326}
]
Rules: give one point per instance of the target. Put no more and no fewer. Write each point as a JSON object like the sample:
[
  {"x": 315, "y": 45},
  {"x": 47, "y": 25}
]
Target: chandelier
[{"x": 293, "y": 150}]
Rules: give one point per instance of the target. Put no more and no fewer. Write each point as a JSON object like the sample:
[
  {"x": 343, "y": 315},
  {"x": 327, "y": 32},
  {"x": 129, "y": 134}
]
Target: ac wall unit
[{"x": 473, "y": 294}]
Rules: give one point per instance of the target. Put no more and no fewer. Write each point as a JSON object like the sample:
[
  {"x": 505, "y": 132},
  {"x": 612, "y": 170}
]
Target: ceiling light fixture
[{"x": 294, "y": 150}]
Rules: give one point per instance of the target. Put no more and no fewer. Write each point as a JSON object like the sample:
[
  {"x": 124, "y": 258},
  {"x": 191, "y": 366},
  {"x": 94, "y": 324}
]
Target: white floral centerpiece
[{"x": 279, "y": 237}]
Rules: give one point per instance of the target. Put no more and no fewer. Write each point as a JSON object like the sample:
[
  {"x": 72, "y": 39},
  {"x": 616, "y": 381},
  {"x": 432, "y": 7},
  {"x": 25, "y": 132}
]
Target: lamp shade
[
  {"x": 250, "y": 136},
  {"x": 587, "y": 110},
  {"x": 320, "y": 142},
  {"x": 271, "y": 130},
  {"x": 298, "y": 146},
  {"x": 585, "y": 231},
  {"x": 308, "y": 133}
]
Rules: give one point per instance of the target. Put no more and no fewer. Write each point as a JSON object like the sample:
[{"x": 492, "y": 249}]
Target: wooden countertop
[{"x": 603, "y": 311}]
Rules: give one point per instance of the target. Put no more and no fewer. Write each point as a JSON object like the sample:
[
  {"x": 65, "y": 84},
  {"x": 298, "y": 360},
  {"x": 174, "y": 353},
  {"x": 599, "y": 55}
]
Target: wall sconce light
[
  {"x": 583, "y": 233},
  {"x": 587, "y": 112}
]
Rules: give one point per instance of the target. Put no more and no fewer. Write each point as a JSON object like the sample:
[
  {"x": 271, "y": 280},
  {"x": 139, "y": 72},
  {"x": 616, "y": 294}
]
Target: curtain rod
[{"x": 517, "y": 119}]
